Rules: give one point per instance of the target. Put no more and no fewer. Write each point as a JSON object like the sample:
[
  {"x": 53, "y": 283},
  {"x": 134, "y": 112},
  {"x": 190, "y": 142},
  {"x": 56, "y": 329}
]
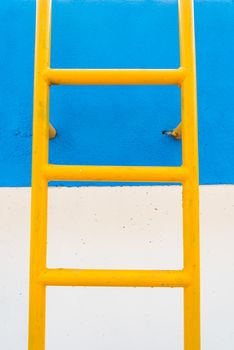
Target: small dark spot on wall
[{"x": 22, "y": 133}]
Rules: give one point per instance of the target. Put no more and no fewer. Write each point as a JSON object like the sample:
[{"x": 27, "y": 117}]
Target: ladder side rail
[
  {"x": 191, "y": 185},
  {"x": 37, "y": 292}
]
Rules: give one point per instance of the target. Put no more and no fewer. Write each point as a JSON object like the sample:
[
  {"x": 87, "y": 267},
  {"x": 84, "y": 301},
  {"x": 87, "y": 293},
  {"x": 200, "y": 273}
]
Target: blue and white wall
[{"x": 117, "y": 125}]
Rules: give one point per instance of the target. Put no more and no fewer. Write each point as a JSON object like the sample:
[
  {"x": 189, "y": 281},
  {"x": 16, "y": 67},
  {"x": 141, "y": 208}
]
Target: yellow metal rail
[
  {"x": 42, "y": 172},
  {"x": 115, "y": 76}
]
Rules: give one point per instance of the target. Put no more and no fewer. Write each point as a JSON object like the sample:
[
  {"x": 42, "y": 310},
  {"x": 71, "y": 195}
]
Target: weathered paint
[{"x": 117, "y": 125}]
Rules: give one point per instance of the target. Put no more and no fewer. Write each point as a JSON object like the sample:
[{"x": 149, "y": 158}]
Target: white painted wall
[{"x": 123, "y": 227}]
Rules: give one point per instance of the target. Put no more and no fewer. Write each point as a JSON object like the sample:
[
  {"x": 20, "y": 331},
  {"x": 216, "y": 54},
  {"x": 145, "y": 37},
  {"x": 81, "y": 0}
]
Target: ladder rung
[
  {"x": 115, "y": 278},
  {"x": 115, "y": 173},
  {"x": 115, "y": 76}
]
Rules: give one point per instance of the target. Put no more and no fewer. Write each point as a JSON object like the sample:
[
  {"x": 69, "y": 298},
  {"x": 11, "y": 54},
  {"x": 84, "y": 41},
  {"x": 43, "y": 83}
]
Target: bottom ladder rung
[{"x": 115, "y": 278}]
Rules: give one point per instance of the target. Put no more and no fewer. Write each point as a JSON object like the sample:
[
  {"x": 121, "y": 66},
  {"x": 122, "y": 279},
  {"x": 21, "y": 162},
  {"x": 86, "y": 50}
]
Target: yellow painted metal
[
  {"x": 37, "y": 293},
  {"x": 176, "y": 133},
  {"x": 115, "y": 76},
  {"x": 115, "y": 173},
  {"x": 42, "y": 172},
  {"x": 190, "y": 186},
  {"x": 115, "y": 278},
  {"x": 52, "y": 132}
]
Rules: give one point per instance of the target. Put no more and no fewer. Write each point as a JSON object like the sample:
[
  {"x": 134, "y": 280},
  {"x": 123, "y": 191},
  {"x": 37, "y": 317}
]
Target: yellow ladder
[{"x": 187, "y": 174}]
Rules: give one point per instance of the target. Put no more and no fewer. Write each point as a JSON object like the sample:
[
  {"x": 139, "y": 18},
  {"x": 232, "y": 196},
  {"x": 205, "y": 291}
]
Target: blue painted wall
[{"x": 117, "y": 125}]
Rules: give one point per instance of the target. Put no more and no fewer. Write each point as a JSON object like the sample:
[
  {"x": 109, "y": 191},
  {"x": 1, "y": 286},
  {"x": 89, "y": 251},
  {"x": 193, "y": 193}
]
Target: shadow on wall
[{"x": 118, "y": 125}]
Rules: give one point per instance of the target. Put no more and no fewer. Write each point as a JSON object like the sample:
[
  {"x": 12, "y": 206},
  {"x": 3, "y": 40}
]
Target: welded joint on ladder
[
  {"x": 52, "y": 132},
  {"x": 176, "y": 133}
]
